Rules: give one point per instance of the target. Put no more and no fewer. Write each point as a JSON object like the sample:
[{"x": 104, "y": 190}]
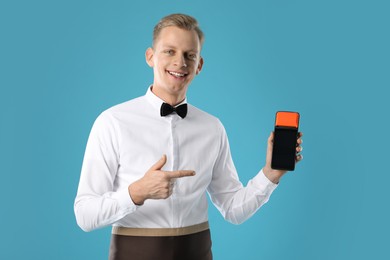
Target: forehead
[{"x": 176, "y": 37}]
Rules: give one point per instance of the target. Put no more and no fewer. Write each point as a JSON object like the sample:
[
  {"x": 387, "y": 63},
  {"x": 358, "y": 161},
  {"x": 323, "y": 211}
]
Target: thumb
[
  {"x": 270, "y": 144},
  {"x": 159, "y": 164}
]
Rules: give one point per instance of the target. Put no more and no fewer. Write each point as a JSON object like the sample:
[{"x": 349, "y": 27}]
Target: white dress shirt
[{"x": 127, "y": 139}]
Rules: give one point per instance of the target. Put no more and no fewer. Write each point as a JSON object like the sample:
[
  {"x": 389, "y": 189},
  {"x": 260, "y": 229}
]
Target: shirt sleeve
[
  {"x": 236, "y": 202},
  {"x": 96, "y": 204}
]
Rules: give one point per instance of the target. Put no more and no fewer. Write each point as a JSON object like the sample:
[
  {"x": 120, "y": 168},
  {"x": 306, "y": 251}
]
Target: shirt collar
[{"x": 156, "y": 101}]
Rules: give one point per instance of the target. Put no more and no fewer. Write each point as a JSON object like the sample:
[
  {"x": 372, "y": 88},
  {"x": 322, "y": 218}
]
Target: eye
[
  {"x": 191, "y": 56},
  {"x": 169, "y": 52}
]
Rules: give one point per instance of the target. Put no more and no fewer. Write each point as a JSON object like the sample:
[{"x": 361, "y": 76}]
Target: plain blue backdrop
[{"x": 64, "y": 62}]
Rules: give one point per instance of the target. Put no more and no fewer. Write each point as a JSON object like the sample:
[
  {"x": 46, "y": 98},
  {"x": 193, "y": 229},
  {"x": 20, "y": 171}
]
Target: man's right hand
[{"x": 156, "y": 184}]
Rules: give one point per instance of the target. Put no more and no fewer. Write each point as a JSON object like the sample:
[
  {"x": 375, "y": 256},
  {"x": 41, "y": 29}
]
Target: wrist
[
  {"x": 273, "y": 175},
  {"x": 136, "y": 194}
]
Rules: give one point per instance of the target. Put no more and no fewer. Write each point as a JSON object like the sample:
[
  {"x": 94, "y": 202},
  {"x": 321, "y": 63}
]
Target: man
[{"x": 149, "y": 162}]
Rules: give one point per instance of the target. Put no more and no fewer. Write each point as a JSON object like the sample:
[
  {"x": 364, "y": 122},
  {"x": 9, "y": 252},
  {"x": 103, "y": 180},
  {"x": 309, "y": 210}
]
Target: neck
[{"x": 171, "y": 98}]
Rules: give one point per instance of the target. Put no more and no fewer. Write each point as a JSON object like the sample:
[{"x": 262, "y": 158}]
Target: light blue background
[{"x": 63, "y": 62}]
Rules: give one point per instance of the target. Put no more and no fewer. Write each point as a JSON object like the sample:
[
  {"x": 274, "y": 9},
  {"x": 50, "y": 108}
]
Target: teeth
[{"x": 176, "y": 74}]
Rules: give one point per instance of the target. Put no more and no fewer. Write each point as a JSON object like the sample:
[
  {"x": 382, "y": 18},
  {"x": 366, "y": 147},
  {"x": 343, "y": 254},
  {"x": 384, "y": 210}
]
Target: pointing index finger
[{"x": 180, "y": 174}]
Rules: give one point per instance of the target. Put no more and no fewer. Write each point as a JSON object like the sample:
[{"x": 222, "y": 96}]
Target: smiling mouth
[{"x": 177, "y": 74}]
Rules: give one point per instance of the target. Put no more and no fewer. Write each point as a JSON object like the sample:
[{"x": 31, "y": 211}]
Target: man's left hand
[{"x": 276, "y": 175}]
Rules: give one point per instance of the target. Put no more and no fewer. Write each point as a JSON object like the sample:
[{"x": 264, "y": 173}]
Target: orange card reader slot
[{"x": 287, "y": 119}]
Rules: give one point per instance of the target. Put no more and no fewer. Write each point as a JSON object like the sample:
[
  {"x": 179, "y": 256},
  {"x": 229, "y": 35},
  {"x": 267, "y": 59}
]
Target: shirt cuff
[
  {"x": 124, "y": 200},
  {"x": 261, "y": 182}
]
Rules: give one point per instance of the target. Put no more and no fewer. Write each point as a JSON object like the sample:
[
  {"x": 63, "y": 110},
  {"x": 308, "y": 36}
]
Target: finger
[
  {"x": 271, "y": 138},
  {"x": 299, "y": 149},
  {"x": 171, "y": 185},
  {"x": 299, "y": 157},
  {"x": 299, "y": 138},
  {"x": 159, "y": 164},
  {"x": 180, "y": 174},
  {"x": 270, "y": 142},
  {"x": 269, "y": 148}
]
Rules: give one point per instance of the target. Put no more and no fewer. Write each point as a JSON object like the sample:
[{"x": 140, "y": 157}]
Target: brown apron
[{"x": 168, "y": 244}]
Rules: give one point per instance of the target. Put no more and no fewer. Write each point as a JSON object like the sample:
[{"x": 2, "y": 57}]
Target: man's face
[{"x": 175, "y": 59}]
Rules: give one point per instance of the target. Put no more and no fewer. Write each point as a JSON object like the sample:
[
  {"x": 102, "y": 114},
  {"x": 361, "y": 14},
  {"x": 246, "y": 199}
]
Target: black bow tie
[{"x": 167, "y": 109}]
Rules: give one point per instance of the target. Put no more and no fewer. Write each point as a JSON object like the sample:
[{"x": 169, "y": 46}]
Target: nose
[{"x": 180, "y": 61}]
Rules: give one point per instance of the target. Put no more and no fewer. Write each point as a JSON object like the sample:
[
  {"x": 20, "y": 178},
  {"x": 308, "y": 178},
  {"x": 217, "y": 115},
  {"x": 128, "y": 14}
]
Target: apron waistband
[{"x": 160, "y": 232}]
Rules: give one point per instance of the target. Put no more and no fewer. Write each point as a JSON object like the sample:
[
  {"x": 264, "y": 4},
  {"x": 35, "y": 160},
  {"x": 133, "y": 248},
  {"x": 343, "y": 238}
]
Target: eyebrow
[{"x": 173, "y": 47}]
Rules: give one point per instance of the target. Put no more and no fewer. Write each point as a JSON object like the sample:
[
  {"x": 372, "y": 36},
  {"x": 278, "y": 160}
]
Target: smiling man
[
  {"x": 150, "y": 162},
  {"x": 175, "y": 59}
]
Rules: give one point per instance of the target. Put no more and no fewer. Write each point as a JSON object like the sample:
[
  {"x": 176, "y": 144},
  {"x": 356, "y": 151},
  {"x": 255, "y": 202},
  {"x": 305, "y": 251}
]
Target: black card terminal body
[{"x": 285, "y": 140}]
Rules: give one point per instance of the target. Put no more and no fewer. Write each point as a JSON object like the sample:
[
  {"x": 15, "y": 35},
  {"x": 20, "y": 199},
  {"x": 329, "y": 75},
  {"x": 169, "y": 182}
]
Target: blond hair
[{"x": 182, "y": 21}]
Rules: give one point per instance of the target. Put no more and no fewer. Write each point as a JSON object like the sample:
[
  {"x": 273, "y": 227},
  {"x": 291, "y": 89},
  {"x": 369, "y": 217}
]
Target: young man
[{"x": 149, "y": 162}]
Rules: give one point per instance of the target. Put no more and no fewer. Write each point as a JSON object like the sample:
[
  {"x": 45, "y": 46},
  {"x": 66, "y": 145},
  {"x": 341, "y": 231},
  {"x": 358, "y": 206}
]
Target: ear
[
  {"x": 149, "y": 57},
  {"x": 200, "y": 66}
]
